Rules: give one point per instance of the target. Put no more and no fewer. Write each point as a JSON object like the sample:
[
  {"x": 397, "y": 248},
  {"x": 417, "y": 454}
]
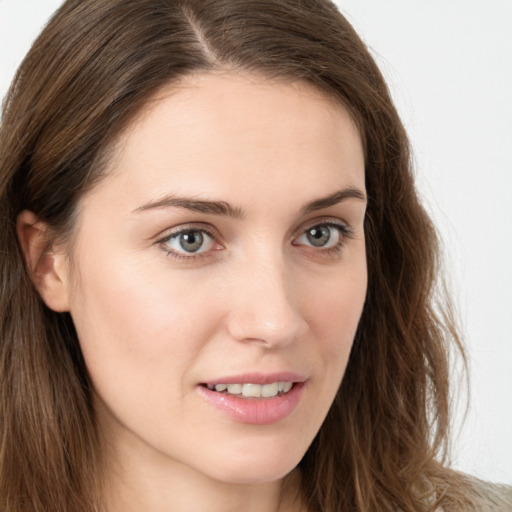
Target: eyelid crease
[
  {"x": 187, "y": 227},
  {"x": 344, "y": 226}
]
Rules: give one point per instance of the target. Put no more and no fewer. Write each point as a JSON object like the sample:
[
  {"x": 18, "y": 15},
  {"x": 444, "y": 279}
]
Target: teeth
[
  {"x": 269, "y": 390},
  {"x": 253, "y": 390},
  {"x": 234, "y": 389}
]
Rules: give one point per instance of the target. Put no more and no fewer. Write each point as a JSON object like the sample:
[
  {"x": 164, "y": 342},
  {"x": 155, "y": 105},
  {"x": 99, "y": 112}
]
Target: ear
[{"x": 47, "y": 264}]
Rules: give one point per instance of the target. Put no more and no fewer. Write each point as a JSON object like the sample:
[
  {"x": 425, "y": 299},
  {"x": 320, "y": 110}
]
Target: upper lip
[{"x": 258, "y": 378}]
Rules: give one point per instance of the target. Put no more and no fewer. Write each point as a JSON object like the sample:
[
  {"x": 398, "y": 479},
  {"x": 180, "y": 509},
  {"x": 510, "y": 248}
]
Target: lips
[{"x": 258, "y": 399}]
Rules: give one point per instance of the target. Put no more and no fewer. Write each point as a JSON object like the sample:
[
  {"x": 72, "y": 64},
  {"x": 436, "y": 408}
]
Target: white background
[{"x": 449, "y": 66}]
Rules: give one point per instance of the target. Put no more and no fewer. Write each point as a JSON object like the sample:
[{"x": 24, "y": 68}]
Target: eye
[
  {"x": 324, "y": 236},
  {"x": 189, "y": 242}
]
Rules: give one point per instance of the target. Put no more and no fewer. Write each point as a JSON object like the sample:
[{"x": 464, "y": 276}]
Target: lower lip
[{"x": 256, "y": 411}]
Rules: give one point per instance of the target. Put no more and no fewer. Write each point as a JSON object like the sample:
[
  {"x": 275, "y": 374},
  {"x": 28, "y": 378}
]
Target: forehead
[{"x": 221, "y": 132}]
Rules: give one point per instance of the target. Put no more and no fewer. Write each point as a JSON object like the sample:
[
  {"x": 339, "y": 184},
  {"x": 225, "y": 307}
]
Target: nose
[{"x": 264, "y": 306}]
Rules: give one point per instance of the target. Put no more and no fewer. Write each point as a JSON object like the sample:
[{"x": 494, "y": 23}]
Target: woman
[{"x": 217, "y": 279}]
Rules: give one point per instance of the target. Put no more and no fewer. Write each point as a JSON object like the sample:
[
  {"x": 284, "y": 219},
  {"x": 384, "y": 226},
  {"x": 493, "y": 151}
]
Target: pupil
[
  {"x": 191, "y": 241},
  {"x": 319, "y": 236}
]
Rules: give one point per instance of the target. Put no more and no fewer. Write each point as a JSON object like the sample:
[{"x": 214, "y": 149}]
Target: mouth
[
  {"x": 252, "y": 390},
  {"x": 255, "y": 398}
]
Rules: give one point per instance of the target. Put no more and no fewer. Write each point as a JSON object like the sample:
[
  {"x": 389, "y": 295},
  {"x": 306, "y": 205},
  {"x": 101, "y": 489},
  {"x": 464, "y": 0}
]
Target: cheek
[
  {"x": 335, "y": 310},
  {"x": 134, "y": 326}
]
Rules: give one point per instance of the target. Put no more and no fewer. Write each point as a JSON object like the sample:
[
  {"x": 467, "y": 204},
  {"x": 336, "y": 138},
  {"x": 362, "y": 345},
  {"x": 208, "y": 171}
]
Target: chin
[{"x": 254, "y": 464}]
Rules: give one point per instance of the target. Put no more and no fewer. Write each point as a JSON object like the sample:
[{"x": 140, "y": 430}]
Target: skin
[{"x": 154, "y": 321}]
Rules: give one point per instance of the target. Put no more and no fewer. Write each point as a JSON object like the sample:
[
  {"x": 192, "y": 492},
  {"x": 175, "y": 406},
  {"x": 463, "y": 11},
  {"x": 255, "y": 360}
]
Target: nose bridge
[{"x": 262, "y": 306}]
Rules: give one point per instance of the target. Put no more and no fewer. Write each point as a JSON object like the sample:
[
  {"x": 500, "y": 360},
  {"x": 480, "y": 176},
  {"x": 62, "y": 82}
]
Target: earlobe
[{"x": 46, "y": 265}]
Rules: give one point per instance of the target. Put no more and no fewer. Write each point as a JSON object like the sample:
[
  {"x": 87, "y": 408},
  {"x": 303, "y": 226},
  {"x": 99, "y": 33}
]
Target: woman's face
[{"x": 219, "y": 264}]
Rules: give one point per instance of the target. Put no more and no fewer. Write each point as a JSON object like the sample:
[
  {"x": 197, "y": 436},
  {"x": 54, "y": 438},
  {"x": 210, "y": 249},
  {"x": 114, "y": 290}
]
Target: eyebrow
[
  {"x": 195, "y": 205},
  {"x": 225, "y": 209},
  {"x": 331, "y": 200}
]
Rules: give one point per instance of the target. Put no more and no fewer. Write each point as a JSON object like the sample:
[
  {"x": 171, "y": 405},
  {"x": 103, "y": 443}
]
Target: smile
[
  {"x": 250, "y": 390},
  {"x": 257, "y": 404}
]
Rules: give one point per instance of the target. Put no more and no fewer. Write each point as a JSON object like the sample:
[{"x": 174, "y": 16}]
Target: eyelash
[
  {"x": 345, "y": 233},
  {"x": 163, "y": 242}
]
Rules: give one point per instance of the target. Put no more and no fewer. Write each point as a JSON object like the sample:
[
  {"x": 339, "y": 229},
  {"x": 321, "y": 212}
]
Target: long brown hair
[{"x": 91, "y": 70}]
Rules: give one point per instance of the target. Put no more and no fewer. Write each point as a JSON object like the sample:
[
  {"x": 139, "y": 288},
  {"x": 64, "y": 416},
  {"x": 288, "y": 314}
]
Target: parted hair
[{"x": 92, "y": 69}]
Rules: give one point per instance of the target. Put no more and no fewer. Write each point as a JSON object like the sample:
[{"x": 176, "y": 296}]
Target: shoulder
[
  {"x": 492, "y": 497},
  {"x": 478, "y": 496}
]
